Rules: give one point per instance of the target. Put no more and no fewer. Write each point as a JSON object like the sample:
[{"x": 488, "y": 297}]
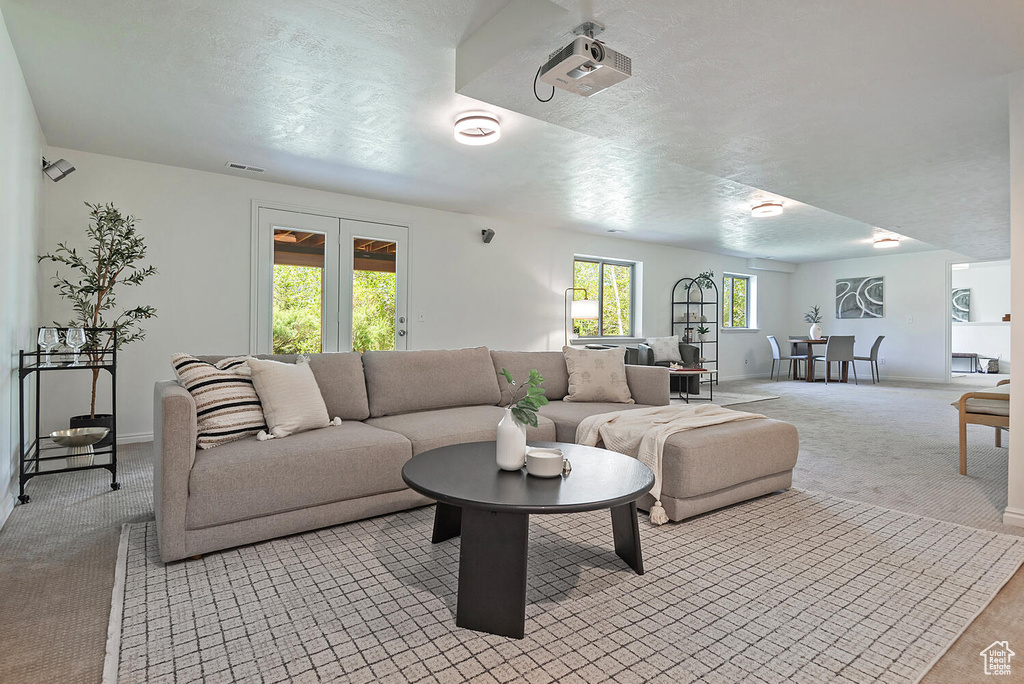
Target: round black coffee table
[{"x": 490, "y": 508}]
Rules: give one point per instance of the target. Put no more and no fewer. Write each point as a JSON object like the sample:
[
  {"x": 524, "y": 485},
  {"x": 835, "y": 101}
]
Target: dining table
[{"x": 795, "y": 350}]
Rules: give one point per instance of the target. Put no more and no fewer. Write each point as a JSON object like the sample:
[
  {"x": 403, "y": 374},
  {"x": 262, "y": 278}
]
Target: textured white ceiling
[{"x": 876, "y": 113}]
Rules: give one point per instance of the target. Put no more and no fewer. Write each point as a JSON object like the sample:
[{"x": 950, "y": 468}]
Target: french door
[{"x": 324, "y": 283}]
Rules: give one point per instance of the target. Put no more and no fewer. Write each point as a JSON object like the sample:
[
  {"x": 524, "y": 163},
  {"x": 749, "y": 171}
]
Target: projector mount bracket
[{"x": 590, "y": 29}]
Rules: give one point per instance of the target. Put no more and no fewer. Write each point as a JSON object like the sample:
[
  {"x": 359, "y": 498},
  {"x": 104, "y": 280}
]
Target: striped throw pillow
[{"x": 227, "y": 406}]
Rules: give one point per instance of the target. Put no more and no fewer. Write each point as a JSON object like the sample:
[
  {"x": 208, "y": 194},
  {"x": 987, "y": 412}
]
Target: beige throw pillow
[
  {"x": 666, "y": 349},
  {"x": 290, "y": 396},
  {"x": 597, "y": 375}
]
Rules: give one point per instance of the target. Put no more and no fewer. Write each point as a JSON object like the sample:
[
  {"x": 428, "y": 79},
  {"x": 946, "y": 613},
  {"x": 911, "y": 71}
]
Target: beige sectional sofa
[{"x": 394, "y": 405}]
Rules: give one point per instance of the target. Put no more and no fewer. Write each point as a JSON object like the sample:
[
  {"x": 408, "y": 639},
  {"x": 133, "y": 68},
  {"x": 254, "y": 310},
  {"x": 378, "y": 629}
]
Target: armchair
[
  {"x": 990, "y": 408},
  {"x": 689, "y": 353}
]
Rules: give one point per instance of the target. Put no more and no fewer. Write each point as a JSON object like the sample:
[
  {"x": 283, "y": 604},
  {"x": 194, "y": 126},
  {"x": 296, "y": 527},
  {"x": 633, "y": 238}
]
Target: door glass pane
[
  {"x": 374, "y": 290},
  {"x": 586, "y": 275},
  {"x": 298, "y": 291},
  {"x": 616, "y": 297}
]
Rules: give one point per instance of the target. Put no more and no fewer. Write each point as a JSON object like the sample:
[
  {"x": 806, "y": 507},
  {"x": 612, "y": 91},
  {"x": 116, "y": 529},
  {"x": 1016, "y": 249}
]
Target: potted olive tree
[{"x": 91, "y": 284}]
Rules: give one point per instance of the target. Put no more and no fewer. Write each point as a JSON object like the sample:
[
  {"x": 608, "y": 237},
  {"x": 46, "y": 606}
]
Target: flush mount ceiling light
[
  {"x": 763, "y": 209},
  {"x": 477, "y": 129},
  {"x": 887, "y": 242},
  {"x": 285, "y": 237}
]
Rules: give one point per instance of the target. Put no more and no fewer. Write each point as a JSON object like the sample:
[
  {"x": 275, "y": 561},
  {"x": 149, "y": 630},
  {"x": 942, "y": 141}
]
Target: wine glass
[
  {"x": 48, "y": 339},
  {"x": 75, "y": 338}
]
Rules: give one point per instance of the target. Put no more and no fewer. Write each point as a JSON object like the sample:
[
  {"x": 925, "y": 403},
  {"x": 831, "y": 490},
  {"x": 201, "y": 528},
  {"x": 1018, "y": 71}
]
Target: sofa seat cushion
[
  {"x": 566, "y": 416},
  {"x": 249, "y": 478},
  {"x": 991, "y": 407},
  {"x": 433, "y": 429},
  {"x": 707, "y": 459}
]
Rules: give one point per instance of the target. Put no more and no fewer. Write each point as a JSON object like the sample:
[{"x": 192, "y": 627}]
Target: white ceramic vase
[
  {"x": 695, "y": 294},
  {"x": 815, "y": 332},
  {"x": 511, "y": 443}
]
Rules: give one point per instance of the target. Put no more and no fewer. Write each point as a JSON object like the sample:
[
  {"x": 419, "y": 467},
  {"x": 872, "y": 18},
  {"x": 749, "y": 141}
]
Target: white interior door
[
  {"x": 375, "y": 257},
  {"x": 297, "y": 258}
]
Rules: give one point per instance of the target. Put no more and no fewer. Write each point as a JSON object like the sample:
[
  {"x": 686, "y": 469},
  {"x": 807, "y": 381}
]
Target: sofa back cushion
[
  {"x": 340, "y": 377},
  {"x": 550, "y": 364},
  {"x": 404, "y": 381}
]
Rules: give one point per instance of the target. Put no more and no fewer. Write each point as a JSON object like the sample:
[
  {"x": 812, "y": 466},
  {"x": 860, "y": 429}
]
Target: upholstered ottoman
[{"x": 716, "y": 466}]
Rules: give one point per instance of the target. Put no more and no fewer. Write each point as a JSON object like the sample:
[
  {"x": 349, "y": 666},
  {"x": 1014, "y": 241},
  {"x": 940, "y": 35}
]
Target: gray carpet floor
[{"x": 892, "y": 445}]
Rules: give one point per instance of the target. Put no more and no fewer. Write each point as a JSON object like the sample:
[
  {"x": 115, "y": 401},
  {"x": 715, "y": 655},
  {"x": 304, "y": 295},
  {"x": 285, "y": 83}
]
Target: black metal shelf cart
[
  {"x": 687, "y": 315},
  {"x": 37, "y": 455}
]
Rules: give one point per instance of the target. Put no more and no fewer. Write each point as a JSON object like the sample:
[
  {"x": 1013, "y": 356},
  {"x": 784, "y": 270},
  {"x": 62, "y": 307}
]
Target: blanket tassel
[
  {"x": 263, "y": 436},
  {"x": 658, "y": 515}
]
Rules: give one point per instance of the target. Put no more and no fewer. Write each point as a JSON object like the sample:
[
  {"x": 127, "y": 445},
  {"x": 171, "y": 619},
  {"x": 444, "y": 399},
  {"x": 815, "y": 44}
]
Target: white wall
[
  {"x": 21, "y": 207},
  {"x": 986, "y": 334},
  {"x": 507, "y": 294},
  {"x": 1014, "y": 514},
  {"x": 915, "y": 324}
]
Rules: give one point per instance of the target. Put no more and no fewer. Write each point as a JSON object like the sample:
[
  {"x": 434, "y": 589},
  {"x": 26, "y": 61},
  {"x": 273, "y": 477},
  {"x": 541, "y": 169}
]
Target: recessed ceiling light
[
  {"x": 887, "y": 242},
  {"x": 616, "y": 230},
  {"x": 763, "y": 209},
  {"x": 477, "y": 129}
]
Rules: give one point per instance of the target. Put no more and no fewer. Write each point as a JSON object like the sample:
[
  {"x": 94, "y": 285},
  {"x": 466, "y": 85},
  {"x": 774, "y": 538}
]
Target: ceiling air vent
[{"x": 244, "y": 167}]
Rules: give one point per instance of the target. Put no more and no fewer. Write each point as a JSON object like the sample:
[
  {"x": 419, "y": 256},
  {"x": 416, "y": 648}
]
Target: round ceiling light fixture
[
  {"x": 771, "y": 208},
  {"x": 477, "y": 129},
  {"x": 887, "y": 242}
]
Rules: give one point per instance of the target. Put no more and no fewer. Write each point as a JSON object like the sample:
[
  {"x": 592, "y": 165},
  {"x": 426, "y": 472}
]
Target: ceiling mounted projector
[{"x": 586, "y": 65}]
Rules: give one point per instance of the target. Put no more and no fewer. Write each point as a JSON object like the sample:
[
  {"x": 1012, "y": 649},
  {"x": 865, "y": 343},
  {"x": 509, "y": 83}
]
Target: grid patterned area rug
[{"x": 797, "y": 586}]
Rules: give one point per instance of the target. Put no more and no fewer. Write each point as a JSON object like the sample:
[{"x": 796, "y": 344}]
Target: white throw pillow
[
  {"x": 666, "y": 349},
  {"x": 597, "y": 375},
  {"x": 290, "y": 396}
]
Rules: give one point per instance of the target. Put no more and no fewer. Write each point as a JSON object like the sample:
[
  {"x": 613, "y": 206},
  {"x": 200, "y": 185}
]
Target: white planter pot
[
  {"x": 511, "y": 443},
  {"x": 815, "y": 332},
  {"x": 702, "y": 337}
]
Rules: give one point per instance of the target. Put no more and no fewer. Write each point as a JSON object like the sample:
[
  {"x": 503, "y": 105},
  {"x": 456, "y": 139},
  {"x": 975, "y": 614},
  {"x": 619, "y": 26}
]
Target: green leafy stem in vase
[
  {"x": 524, "y": 408},
  {"x": 813, "y": 316}
]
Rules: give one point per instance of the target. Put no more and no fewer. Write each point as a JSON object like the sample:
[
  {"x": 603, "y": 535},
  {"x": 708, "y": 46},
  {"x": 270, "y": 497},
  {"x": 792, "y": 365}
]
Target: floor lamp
[{"x": 580, "y": 309}]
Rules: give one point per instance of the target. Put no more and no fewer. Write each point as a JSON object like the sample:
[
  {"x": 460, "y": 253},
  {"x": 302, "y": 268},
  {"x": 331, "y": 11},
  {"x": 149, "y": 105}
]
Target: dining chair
[
  {"x": 777, "y": 355},
  {"x": 839, "y": 348},
  {"x": 873, "y": 359}
]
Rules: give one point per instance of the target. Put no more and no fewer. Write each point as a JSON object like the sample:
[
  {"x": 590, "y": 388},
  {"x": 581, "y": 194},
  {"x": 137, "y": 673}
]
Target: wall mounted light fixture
[{"x": 57, "y": 170}]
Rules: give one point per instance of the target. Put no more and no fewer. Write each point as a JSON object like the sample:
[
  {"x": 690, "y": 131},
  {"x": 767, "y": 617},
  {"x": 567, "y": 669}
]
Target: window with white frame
[
  {"x": 613, "y": 284},
  {"x": 739, "y": 299}
]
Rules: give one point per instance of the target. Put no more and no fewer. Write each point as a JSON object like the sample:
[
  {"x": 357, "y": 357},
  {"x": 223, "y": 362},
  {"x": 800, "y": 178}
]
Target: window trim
[
  {"x": 633, "y": 290},
  {"x": 750, "y": 314}
]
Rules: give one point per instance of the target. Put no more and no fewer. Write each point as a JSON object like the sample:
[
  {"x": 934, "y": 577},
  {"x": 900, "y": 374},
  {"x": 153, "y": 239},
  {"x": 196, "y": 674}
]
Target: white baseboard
[
  {"x": 1013, "y": 516},
  {"x": 135, "y": 438},
  {"x": 7, "y": 504}
]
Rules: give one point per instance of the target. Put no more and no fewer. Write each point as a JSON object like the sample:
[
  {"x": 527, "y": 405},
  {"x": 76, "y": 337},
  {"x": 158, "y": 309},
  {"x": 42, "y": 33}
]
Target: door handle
[{"x": 401, "y": 333}]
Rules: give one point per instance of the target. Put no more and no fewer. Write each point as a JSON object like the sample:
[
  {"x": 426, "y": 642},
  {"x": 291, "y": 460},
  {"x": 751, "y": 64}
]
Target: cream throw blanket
[{"x": 641, "y": 433}]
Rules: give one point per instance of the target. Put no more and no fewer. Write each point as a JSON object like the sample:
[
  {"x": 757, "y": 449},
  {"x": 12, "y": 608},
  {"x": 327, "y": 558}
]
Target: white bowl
[{"x": 544, "y": 462}]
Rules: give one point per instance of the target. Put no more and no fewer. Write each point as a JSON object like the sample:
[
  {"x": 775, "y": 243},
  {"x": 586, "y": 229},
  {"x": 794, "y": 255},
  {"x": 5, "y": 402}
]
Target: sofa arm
[
  {"x": 644, "y": 355},
  {"x": 648, "y": 384},
  {"x": 174, "y": 452}
]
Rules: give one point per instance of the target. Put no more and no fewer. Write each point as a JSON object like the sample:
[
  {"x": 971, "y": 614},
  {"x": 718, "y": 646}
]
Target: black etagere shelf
[
  {"x": 35, "y": 456},
  {"x": 705, "y": 311}
]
